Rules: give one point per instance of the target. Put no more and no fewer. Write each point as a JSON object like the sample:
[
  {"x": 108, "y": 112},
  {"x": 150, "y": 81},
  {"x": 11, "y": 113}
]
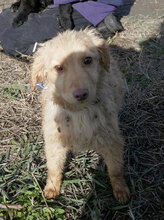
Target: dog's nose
[{"x": 81, "y": 94}]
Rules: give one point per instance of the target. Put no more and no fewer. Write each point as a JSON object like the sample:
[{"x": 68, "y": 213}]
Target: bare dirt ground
[{"x": 140, "y": 52}]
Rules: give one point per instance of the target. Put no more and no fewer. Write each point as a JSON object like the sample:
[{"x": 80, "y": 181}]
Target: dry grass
[
  {"x": 86, "y": 190},
  {"x": 16, "y": 102}
]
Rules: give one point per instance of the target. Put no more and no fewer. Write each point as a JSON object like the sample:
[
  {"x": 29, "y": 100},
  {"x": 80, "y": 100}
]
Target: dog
[
  {"x": 84, "y": 93},
  {"x": 25, "y": 7}
]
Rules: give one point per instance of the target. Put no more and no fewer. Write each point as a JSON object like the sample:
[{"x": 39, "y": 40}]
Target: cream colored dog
[{"x": 80, "y": 105}]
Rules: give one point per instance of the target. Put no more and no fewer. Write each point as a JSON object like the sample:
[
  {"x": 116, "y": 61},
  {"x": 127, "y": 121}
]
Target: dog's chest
[{"x": 79, "y": 130}]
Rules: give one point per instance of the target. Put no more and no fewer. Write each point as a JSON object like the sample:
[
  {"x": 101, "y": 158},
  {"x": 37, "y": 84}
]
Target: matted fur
[{"x": 69, "y": 124}]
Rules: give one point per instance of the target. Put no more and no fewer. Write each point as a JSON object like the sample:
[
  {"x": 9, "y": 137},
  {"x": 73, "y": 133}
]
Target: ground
[{"x": 86, "y": 191}]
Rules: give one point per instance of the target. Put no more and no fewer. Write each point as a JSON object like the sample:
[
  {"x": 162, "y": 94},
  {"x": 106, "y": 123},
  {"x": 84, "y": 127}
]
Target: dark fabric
[
  {"x": 40, "y": 27},
  {"x": 95, "y": 11},
  {"x": 44, "y": 26}
]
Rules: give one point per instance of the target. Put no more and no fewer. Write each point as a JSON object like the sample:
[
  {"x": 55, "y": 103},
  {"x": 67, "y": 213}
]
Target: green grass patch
[
  {"x": 21, "y": 183},
  {"x": 85, "y": 191},
  {"x": 12, "y": 91}
]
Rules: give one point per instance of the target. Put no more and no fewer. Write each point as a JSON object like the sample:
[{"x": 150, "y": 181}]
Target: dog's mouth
[
  {"x": 77, "y": 105},
  {"x": 77, "y": 99},
  {"x": 83, "y": 103}
]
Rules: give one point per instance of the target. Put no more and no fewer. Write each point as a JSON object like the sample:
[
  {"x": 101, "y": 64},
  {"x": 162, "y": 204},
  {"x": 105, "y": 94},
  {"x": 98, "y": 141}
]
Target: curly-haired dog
[{"x": 80, "y": 105}]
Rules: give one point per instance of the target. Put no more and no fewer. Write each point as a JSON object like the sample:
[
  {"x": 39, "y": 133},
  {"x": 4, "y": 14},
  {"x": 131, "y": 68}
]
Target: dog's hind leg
[{"x": 56, "y": 157}]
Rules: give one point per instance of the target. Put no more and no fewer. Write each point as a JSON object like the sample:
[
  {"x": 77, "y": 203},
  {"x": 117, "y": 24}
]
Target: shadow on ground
[
  {"x": 86, "y": 192},
  {"x": 142, "y": 123}
]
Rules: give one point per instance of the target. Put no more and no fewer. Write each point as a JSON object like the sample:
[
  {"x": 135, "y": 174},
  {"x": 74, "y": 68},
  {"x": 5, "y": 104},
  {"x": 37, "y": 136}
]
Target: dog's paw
[
  {"x": 121, "y": 190},
  {"x": 50, "y": 193},
  {"x": 122, "y": 194},
  {"x": 18, "y": 21}
]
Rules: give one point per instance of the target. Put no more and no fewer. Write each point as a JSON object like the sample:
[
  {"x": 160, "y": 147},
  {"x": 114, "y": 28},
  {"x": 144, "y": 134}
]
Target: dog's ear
[
  {"x": 104, "y": 56},
  {"x": 101, "y": 46},
  {"x": 38, "y": 73}
]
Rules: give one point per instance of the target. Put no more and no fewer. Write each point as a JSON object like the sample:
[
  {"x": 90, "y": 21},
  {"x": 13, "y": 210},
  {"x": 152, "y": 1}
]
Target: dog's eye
[
  {"x": 59, "y": 68},
  {"x": 87, "y": 60}
]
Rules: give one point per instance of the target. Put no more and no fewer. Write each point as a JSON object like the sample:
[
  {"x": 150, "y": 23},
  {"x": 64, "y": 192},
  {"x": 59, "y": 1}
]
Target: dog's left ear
[{"x": 101, "y": 46}]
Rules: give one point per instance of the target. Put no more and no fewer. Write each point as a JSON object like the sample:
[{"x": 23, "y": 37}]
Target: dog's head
[{"x": 71, "y": 64}]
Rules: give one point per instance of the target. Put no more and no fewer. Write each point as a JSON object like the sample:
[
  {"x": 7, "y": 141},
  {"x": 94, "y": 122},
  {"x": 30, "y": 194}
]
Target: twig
[
  {"x": 42, "y": 193},
  {"x": 7, "y": 206}
]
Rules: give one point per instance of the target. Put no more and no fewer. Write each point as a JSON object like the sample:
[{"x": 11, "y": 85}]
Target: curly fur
[{"x": 69, "y": 124}]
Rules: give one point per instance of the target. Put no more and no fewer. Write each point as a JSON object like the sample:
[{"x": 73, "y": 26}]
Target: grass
[
  {"x": 12, "y": 91},
  {"x": 86, "y": 192},
  {"x": 85, "y": 186}
]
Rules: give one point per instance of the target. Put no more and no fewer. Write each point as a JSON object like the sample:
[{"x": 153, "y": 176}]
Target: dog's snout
[{"x": 81, "y": 94}]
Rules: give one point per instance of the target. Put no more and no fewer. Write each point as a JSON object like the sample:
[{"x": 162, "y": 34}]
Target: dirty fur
[{"x": 69, "y": 124}]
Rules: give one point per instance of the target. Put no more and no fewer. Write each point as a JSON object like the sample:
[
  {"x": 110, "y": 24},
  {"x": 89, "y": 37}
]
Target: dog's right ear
[{"x": 38, "y": 73}]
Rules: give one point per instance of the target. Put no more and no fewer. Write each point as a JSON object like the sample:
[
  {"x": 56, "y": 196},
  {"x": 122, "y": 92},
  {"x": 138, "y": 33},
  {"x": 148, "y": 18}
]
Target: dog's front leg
[
  {"x": 113, "y": 156},
  {"x": 56, "y": 156}
]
